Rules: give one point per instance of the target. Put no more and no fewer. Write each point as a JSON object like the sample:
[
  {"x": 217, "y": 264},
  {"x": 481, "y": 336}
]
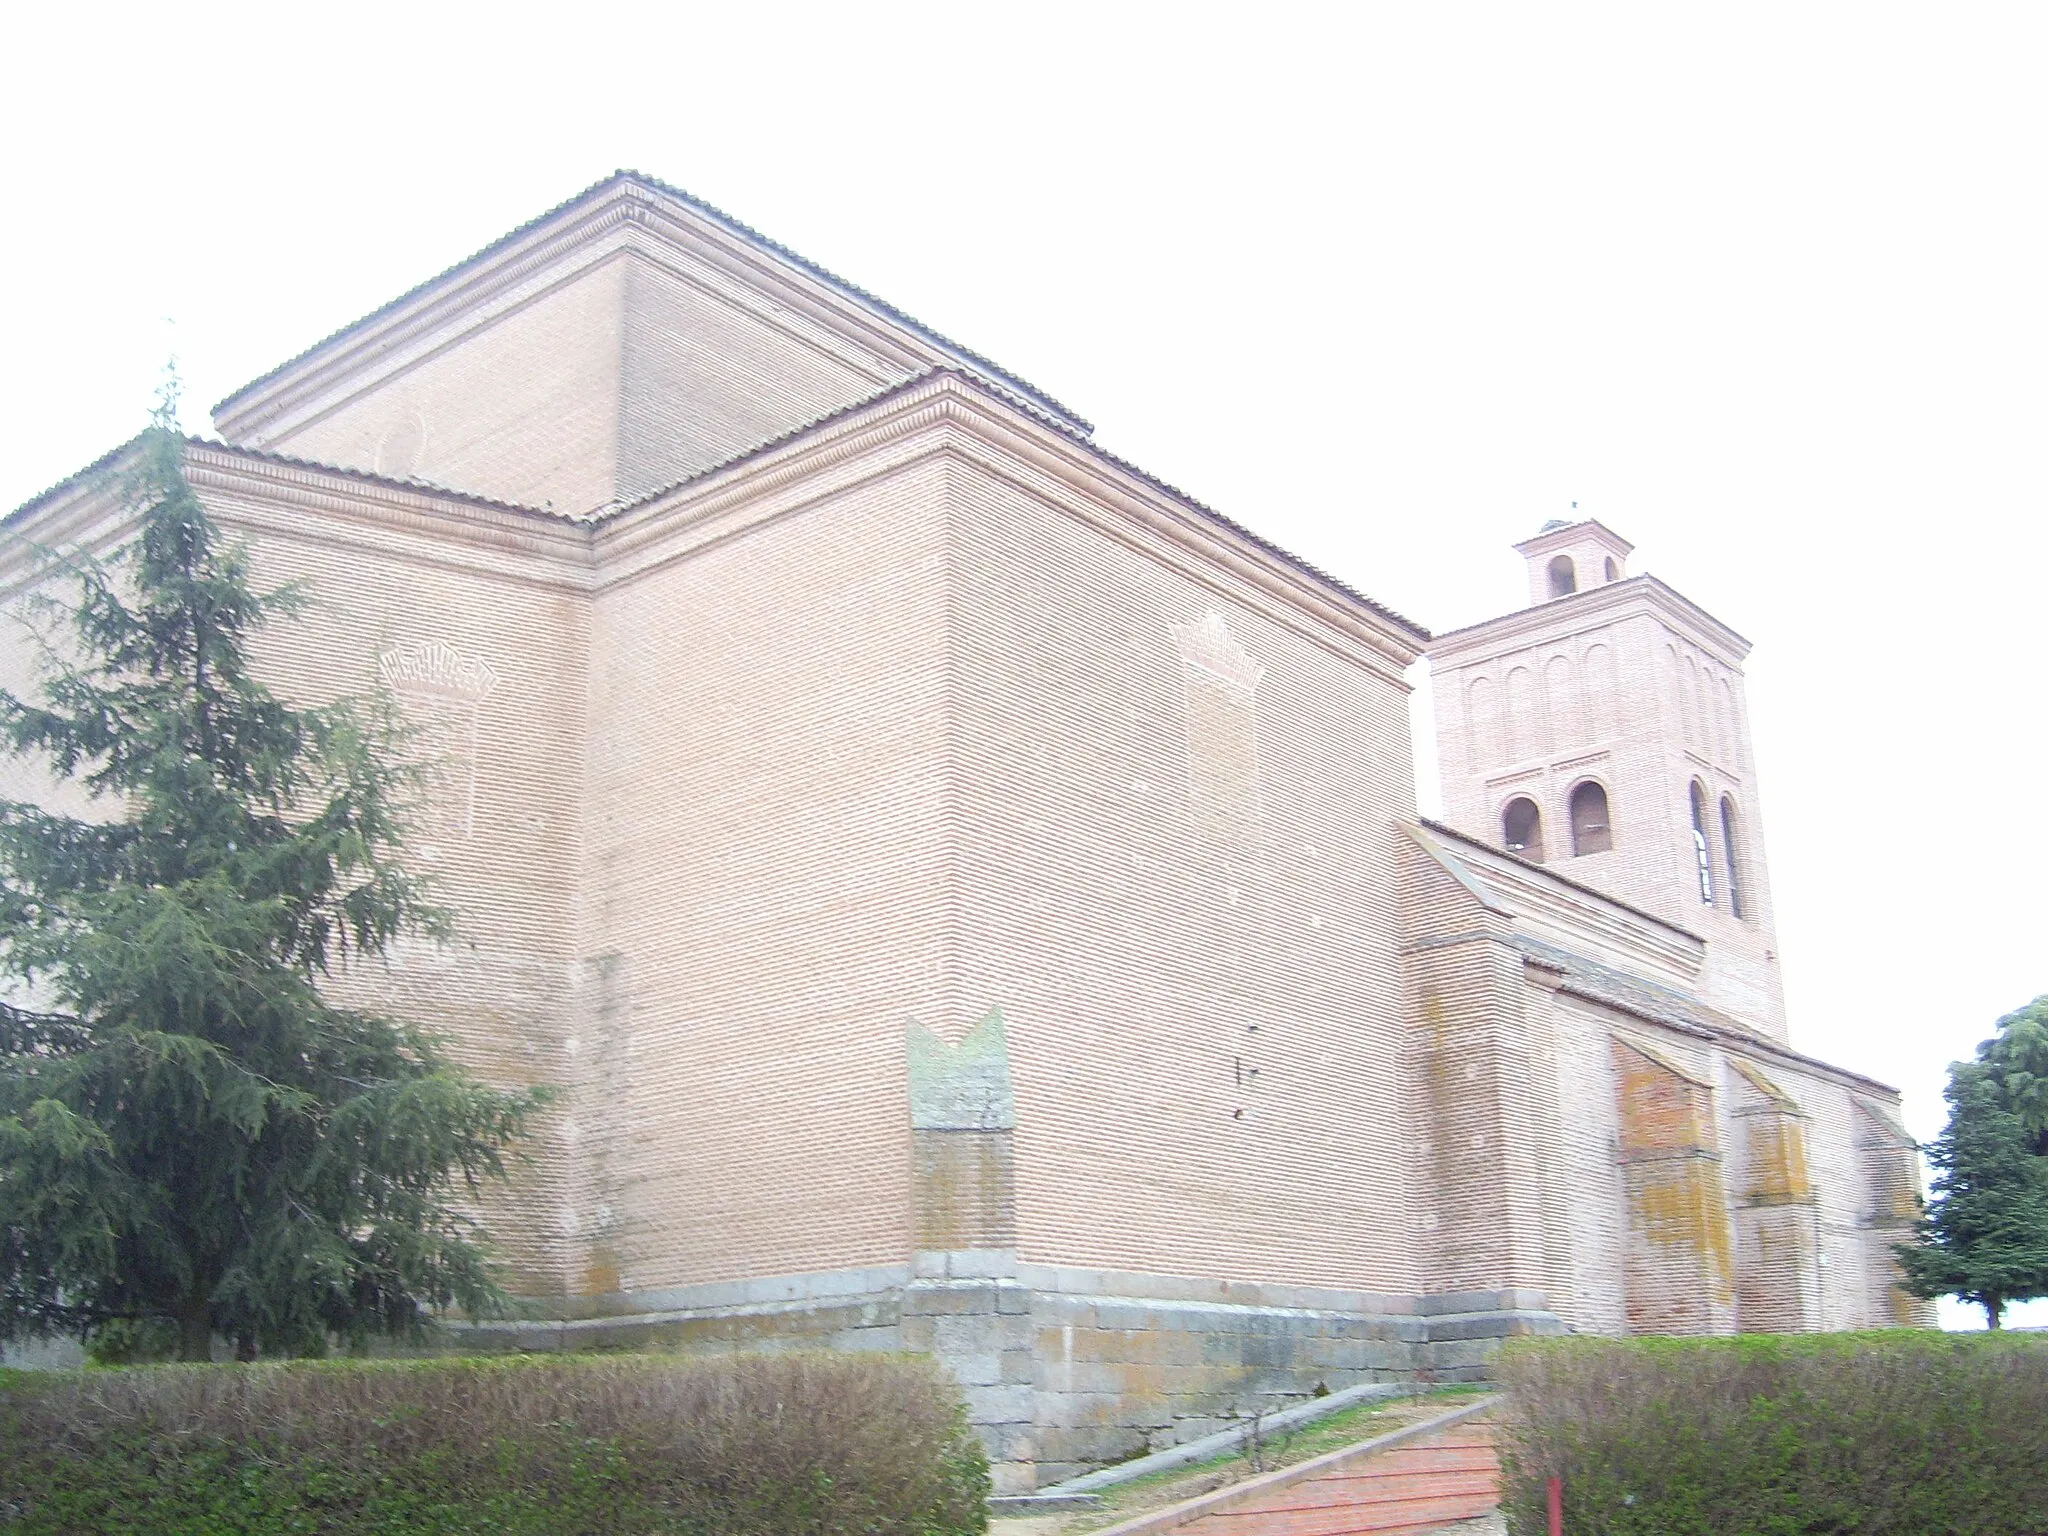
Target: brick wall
[
  {"x": 524, "y": 408},
  {"x": 764, "y": 855},
  {"x": 1174, "y": 824},
  {"x": 1632, "y": 687}
]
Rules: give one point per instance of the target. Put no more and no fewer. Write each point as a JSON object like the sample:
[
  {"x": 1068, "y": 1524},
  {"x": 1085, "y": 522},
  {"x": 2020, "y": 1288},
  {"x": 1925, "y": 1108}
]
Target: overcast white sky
[{"x": 1764, "y": 287}]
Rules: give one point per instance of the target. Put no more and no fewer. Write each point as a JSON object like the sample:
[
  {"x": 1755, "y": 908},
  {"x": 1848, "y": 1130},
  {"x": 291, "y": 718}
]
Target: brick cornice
[
  {"x": 1593, "y": 609},
  {"x": 251, "y": 492},
  {"x": 254, "y": 492},
  {"x": 625, "y": 216},
  {"x": 948, "y": 414}
]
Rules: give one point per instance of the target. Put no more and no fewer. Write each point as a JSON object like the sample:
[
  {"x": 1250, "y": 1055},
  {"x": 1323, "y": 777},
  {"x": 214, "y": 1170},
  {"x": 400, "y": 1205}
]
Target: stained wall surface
[{"x": 1611, "y": 687}]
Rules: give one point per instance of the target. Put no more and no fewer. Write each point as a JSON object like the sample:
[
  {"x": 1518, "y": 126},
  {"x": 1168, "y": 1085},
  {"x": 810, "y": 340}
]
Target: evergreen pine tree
[
  {"x": 1985, "y": 1235},
  {"x": 193, "y": 1139}
]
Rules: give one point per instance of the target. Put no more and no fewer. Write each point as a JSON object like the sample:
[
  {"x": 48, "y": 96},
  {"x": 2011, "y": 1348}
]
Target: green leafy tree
[
  {"x": 194, "y": 1140},
  {"x": 1985, "y": 1235},
  {"x": 2018, "y": 1053}
]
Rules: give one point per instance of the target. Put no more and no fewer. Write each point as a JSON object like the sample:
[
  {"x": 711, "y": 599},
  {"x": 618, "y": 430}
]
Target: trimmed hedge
[
  {"x": 605, "y": 1445},
  {"x": 1877, "y": 1434}
]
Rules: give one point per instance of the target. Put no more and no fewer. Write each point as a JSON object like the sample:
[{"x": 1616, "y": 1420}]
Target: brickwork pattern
[
  {"x": 1634, "y": 688},
  {"x": 1199, "y": 1013},
  {"x": 1420, "y": 1485},
  {"x": 930, "y": 712}
]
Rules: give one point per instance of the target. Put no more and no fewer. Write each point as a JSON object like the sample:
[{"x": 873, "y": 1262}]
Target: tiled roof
[
  {"x": 1645, "y": 999},
  {"x": 77, "y": 477},
  {"x": 371, "y": 477},
  {"x": 1644, "y": 580},
  {"x": 1632, "y": 994},
  {"x": 752, "y": 236},
  {"x": 1549, "y": 872},
  {"x": 1081, "y": 440},
  {"x": 108, "y": 459}
]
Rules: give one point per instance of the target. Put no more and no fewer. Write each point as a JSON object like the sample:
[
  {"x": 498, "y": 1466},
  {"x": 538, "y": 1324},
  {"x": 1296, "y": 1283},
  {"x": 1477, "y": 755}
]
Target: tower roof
[{"x": 1558, "y": 534}]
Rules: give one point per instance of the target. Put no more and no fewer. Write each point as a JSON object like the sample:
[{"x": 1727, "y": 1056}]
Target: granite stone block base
[{"x": 1065, "y": 1370}]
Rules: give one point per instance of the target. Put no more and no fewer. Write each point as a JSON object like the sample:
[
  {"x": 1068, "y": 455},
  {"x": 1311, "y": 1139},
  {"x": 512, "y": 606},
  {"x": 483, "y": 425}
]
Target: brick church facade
[{"x": 971, "y": 896}]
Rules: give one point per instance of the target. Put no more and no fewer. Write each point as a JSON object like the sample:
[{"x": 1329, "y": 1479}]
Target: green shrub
[
  {"x": 1876, "y": 1434},
  {"x": 609, "y": 1445}
]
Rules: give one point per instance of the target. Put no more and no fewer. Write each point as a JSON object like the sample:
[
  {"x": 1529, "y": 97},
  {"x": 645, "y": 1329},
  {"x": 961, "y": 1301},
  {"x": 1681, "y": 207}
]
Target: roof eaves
[
  {"x": 975, "y": 360},
  {"x": 75, "y": 479},
  {"x": 1635, "y": 994},
  {"x": 1557, "y": 535},
  {"x": 1658, "y": 1004},
  {"x": 1586, "y": 594},
  {"x": 767, "y": 445},
  {"x": 1021, "y": 403},
  {"x": 753, "y": 236},
  {"x": 107, "y": 460},
  {"x": 392, "y": 482}
]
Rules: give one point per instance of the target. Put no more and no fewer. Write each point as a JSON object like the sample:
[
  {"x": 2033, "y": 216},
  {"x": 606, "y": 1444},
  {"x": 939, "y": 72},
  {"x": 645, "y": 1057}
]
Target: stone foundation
[{"x": 1063, "y": 1369}]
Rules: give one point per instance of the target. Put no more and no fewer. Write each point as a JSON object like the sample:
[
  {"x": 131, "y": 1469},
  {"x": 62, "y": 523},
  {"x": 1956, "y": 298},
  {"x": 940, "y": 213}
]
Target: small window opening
[
  {"x": 1563, "y": 579},
  {"x": 1521, "y": 828},
  {"x": 1613, "y": 570},
  {"x": 1730, "y": 857},
  {"x": 1699, "y": 843},
  {"x": 1590, "y": 831}
]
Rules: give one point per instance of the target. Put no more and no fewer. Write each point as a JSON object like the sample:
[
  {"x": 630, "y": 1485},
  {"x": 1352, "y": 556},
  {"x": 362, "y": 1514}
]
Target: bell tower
[{"x": 1603, "y": 731}]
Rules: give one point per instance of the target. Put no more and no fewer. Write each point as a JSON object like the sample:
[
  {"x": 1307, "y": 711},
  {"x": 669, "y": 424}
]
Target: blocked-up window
[
  {"x": 1731, "y": 857},
  {"x": 440, "y": 692},
  {"x": 1221, "y": 681}
]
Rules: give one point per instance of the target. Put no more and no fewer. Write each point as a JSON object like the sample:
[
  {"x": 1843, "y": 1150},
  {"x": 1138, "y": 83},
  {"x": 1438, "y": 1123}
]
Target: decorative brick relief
[
  {"x": 403, "y": 447},
  {"x": 441, "y": 692},
  {"x": 1674, "y": 688},
  {"x": 1561, "y": 694},
  {"x": 1603, "y": 690},
  {"x": 1528, "y": 728},
  {"x": 1222, "y": 683},
  {"x": 1482, "y": 725}
]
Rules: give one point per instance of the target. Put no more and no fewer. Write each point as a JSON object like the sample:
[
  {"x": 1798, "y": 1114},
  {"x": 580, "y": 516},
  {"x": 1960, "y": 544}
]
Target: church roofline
[
  {"x": 1640, "y": 997},
  {"x": 1545, "y": 872},
  {"x": 1591, "y": 606},
  {"x": 985, "y": 387},
  {"x": 881, "y": 308},
  {"x": 82, "y": 479},
  {"x": 1410, "y": 634}
]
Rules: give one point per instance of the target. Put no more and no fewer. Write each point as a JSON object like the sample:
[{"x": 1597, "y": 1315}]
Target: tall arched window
[
  {"x": 1730, "y": 856},
  {"x": 1563, "y": 579},
  {"x": 1590, "y": 831},
  {"x": 1700, "y": 852},
  {"x": 1521, "y": 828},
  {"x": 1613, "y": 570}
]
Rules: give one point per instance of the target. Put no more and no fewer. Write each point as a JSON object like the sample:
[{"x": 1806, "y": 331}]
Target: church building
[{"x": 970, "y": 895}]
